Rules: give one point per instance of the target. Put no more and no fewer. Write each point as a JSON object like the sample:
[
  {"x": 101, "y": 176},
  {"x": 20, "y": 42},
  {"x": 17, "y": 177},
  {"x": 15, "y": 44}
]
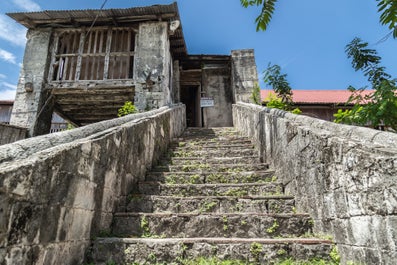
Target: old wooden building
[{"x": 84, "y": 64}]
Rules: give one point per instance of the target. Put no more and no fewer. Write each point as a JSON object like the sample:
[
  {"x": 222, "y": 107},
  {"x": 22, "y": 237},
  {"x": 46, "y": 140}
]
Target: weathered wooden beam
[
  {"x": 53, "y": 64},
  {"x": 33, "y": 23},
  {"x": 79, "y": 59},
  {"x": 94, "y": 84},
  {"x": 107, "y": 56},
  {"x": 90, "y": 92},
  {"x": 99, "y": 100}
]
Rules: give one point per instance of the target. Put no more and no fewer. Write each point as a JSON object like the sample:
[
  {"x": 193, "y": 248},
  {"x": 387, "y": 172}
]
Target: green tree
[
  {"x": 379, "y": 107},
  {"x": 387, "y": 8},
  {"x": 263, "y": 20},
  {"x": 278, "y": 82}
]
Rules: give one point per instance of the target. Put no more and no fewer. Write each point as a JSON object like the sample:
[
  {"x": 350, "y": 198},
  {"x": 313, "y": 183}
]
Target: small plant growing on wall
[
  {"x": 256, "y": 95},
  {"x": 127, "y": 108}
]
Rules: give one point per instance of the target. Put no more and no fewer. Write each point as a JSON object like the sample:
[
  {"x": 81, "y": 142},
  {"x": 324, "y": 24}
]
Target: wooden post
[
  {"x": 107, "y": 54},
  {"x": 53, "y": 58},
  {"x": 80, "y": 52},
  {"x": 87, "y": 59},
  {"x": 129, "y": 39}
]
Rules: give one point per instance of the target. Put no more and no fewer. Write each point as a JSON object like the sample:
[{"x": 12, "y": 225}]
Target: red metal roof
[{"x": 317, "y": 96}]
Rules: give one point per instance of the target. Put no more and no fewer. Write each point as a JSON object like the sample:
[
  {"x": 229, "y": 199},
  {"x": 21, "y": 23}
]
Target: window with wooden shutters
[{"x": 102, "y": 53}]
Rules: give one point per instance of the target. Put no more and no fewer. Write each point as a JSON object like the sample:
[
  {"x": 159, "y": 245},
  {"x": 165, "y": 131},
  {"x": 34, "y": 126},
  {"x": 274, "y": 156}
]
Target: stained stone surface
[
  {"x": 229, "y": 206},
  {"x": 64, "y": 190},
  {"x": 344, "y": 176}
]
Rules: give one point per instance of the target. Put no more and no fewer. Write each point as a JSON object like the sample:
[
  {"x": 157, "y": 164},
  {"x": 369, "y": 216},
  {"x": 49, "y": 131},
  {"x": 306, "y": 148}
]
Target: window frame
[{"x": 60, "y": 61}]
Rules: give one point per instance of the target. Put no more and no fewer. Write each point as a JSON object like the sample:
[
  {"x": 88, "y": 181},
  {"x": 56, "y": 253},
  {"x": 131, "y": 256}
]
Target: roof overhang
[
  {"x": 204, "y": 61},
  {"x": 117, "y": 17}
]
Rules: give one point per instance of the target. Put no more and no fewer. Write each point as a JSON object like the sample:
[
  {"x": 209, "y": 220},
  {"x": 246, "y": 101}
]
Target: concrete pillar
[
  {"x": 152, "y": 66},
  {"x": 32, "y": 107},
  {"x": 244, "y": 74}
]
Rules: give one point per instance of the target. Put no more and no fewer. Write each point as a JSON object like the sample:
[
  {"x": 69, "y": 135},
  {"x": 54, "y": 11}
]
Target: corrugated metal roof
[
  {"x": 318, "y": 96},
  {"x": 6, "y": 102},
  {"x": 62, "y": 18},
  {"x": 32, "y": 19}
]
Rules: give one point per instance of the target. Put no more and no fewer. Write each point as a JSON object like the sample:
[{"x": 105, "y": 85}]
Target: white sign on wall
[{"x": 206, "y": 102}]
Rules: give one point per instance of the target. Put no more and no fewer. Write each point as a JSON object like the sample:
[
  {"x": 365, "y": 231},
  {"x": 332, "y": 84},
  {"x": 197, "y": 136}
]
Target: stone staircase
[{"x": 210, "y": 197}]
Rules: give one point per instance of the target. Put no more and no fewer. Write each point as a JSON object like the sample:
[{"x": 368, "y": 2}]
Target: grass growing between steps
[{"x": 216, "y": 261}]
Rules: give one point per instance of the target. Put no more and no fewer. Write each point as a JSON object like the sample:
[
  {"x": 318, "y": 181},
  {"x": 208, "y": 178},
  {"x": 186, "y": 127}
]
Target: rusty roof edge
[
  {"x": 174, "y": 5},
  {"x": 25, "y": 18}
]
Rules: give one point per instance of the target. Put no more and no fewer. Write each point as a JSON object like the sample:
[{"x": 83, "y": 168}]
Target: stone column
[
  {"x": 176, "y": 85},
  {"x": 152, "y": 66},
  {"x": 244, "y": 74},
  {"x": 32, "y": 107}
]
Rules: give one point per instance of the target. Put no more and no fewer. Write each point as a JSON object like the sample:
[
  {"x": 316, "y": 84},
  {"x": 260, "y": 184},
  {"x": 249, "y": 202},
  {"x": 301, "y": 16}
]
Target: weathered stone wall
[
  {"x": 216, "y": 85},
  {"x": 10, "y": 134},
  {"x": 176, "y": 85},
  {"x": 244, "y": 74},
  {"x": 344, "y": 176},
  {"x": 58, "y": 191},
  {"x": 32, "y": 109},
  {"x": 152, "y": 66}
]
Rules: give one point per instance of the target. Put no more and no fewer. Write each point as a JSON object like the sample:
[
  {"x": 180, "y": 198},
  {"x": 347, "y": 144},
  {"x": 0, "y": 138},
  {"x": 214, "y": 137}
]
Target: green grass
[
  {"x": 216, "y": 261},
  {"x": 213, "y": 261},
  {"x": 304, "y": 262}
]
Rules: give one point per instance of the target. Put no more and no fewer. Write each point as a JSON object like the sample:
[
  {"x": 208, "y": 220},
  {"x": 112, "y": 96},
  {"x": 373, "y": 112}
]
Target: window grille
[{"x": 104, "y": 53}]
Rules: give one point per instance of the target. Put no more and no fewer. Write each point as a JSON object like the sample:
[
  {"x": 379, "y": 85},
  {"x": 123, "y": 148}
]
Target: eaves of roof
[{"x": 116, "y": 17}]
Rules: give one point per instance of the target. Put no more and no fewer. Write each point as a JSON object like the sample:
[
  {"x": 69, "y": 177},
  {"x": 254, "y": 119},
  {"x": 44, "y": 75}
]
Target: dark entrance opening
[{"x": 190, "y": 96}]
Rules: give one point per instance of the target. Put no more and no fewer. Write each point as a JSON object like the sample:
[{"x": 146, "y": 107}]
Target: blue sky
[{"x": 306, "y": 37}]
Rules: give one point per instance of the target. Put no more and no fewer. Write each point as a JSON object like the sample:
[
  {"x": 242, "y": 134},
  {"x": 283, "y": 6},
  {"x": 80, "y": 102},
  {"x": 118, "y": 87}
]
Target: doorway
[{"x": 190, "y": 96}]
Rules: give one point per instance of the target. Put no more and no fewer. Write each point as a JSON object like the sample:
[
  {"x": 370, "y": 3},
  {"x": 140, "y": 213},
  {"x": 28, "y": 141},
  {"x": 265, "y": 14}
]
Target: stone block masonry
[
  {"x": 59, "y": 191},
  {"x": 9, "y": 133},
  {"x": 31, "y": 103},
  {"x": 244, "y": 74},
  {"x": 345, "y": 177}
]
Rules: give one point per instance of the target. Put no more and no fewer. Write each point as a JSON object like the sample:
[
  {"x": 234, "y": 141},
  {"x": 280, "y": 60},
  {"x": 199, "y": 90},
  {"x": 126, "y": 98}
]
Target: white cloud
[
  {"x": 27, "y": 5},
  {"x": 7, "y": 56},
  {"x": 8, "y": 86},
  {"x": 2, "y": 76},
  {"x": 8, "y": 94},
  {"x": 11, "y": 31},
  {"x": 7, "y": 91}
]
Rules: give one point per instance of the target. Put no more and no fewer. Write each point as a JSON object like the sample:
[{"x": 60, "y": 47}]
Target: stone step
[
  {"x": 241, "y": 225},
  {"x": 201, "y": 167},
  {"x": 211, "y": 204},
  {"x": 217, "y": 160},
  {"x": 171, "y": 250},
  {"x": 212, "y": 177},
  {"x": 209, "y": 138},
  {"x": 211, "y": 131},
  {"x": 211, "y": 142},
  {"x": 211, "y": 153},
  {"x": 237, "y": 190},
  {"x": 213, "y": 146}
]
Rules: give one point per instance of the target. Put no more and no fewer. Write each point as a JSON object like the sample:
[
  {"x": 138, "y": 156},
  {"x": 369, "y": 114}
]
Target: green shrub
[
  {"x": 128, "y": 108},
  {"x": 276, "y": 102}
]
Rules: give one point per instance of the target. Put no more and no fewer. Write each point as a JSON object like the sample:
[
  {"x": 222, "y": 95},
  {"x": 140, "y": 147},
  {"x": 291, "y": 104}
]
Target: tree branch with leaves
[
  {"x": 387, "y": 8},
  {"x": 280, "y": 85},
  {"x": 375, "y": 109},
  {"x": 263, "y": 20}
]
